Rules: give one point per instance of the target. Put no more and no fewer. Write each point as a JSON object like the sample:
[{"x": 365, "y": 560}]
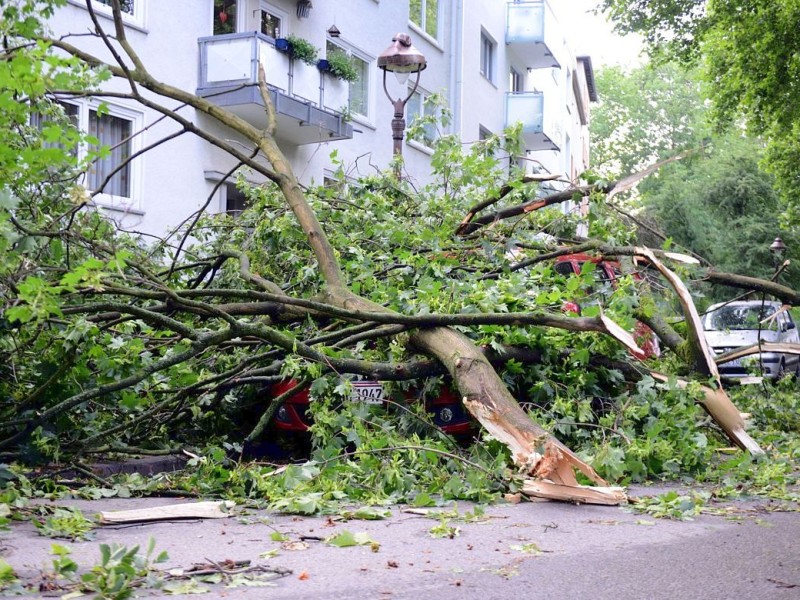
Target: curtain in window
[{"x": 114, "y": 134}]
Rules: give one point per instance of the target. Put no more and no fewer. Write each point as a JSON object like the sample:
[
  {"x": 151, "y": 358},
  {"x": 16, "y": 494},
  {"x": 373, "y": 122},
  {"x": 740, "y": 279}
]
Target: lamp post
[
  {"x": 402, "y": 59},
  {"x": 778, "y": 250}
]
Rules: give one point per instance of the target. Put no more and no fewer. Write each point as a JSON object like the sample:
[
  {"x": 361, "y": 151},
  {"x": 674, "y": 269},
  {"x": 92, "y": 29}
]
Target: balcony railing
[
  {"x": 537, "y": 113},
  {"x": 305, "y": 100},
  {"x": 533, "y": 34}
]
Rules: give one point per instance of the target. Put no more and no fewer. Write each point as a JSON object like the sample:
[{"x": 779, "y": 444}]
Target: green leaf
[{"x": 345, "y": 539}]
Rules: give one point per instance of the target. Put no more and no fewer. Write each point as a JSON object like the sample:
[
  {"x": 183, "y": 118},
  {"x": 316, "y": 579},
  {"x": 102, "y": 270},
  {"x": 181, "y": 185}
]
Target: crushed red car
[
  {"x": 607, "y": 273},
  {"x": 446, "y": 408}
]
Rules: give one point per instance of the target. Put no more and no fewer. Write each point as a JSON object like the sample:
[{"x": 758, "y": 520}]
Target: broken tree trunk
[
  {"x": 549, "y": 463},
  {"x": 535, "y": 451},
  {"x": 716, "y": 401}
]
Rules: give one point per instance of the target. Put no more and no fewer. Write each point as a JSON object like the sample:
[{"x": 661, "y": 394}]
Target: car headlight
[{"x": 446, "y": 415}]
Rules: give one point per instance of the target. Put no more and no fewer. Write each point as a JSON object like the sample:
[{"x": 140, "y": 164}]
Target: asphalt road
[{"x": 538, "y": 550}]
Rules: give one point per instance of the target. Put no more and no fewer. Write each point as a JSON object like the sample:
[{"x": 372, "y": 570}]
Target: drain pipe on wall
[{"x": 456, "y": 61}]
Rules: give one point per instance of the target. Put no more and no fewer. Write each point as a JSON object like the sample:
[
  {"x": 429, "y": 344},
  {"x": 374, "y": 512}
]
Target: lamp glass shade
[{"x": 402, "y": 76}]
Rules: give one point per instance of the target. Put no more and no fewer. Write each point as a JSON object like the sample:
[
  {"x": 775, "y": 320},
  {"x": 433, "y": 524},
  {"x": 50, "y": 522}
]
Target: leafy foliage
[
  {"x": 108, "y": 344},
  {"x": 716, "y": 194},
  {"x": 749, "y": 52}
]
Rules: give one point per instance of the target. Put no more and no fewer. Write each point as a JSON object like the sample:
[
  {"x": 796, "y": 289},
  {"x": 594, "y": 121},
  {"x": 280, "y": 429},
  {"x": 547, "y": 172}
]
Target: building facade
[{"x": 494, "y": 62}]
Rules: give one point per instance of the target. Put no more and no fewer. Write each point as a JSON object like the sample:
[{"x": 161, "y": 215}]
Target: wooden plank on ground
[{"x": 170, "y": 512}]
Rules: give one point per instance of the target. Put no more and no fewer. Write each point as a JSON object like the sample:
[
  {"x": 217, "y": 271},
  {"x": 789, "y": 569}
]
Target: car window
[
  {"x": 737, "y": 317},
  {"x": 604, "y": 286}
]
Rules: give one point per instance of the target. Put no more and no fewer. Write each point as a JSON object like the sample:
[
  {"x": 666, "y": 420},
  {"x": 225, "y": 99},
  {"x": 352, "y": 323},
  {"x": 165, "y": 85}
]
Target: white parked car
[{"x": 730, "y": 325}]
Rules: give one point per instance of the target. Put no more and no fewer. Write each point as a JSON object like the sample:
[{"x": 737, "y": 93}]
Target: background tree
[
  {"x": 716, "y": 201},
  {"x": 748, "y": 52}
]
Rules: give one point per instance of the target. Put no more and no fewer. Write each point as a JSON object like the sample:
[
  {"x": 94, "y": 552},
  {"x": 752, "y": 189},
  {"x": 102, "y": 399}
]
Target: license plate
[{"x": 370, "y": 392}]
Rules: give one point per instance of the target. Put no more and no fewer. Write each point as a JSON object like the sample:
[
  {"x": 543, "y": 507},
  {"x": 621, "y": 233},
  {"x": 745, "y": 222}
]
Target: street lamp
[
  {"x": 402, "y": 59},
  {"x": 778, "y": 250}
]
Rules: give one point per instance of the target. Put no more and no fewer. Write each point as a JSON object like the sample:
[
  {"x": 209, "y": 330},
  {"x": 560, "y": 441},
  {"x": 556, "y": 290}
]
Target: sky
[{"x": 592, "y": 35}]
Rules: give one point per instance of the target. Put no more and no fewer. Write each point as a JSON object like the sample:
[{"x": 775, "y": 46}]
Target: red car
[
  {"x": 606, "y": 275},
  {"x": 446, "y": 407}
]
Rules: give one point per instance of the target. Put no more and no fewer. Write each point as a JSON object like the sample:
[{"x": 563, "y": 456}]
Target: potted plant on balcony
[
  {"x": 339, "y": 65},
  {"x": 298, "y": 49},
  {"x": 305, "y": 80}
]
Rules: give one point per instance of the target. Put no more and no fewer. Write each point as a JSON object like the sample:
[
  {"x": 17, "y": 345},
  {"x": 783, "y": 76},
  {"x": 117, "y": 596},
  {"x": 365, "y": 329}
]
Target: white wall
[{"x": 171, "y": 181}]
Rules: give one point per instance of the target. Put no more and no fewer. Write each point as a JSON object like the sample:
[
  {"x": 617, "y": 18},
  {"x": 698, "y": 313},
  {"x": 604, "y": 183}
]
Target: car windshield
[{"x": 735, "y": 317}]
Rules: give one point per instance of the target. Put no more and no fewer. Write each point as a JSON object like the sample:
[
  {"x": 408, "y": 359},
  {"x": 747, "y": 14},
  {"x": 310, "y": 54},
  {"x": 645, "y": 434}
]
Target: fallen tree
[{"x": 108, "y": 341}]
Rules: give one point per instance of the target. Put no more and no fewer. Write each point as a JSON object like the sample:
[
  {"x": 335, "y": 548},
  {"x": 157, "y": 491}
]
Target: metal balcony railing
[
  {"x": 541, "y": 129},
  {"x": 305, "y": 100},
  {"x": 533, "y": 34}
]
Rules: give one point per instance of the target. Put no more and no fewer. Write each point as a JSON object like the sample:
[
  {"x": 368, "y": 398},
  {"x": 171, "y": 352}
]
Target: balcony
[
  {"x": 305, "y": 99},
  {"x": 533, "y": 34},
  {"x": 538, "y": 113}
]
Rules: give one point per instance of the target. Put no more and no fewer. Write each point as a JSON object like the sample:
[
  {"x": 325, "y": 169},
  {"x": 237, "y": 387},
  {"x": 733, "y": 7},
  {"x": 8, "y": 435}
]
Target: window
[
  {"x": 224, "y": 17},
  {"x": 43, "y": 122},
  {"x": 270, "y": 24},
  {"x": 114, "y": 131},
  {"x": 487, "y": 56},
  {"x": 418, "y": 106},
  {"x": 132, "y": 10},
  {"x": 425, "y": 15},
  {"x": 235, "y": 200},
  {"x": 272, "y": 21},
  {"x": 126, "y": 6},
  {"x": 359, "y": 89},
  {"x": 111, "y": 173},
  {"x": 515, "y": 80}
]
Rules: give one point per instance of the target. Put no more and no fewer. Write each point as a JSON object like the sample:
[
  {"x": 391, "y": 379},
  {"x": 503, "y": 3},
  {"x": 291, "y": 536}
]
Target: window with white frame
[
  {"x": 110, "y": 172},
  {"x": 132, "y": 10},
  {"x": 44, "y": 121},
  {"x": 419, "y": 106},
  {"x": 225, "y": 16},
  {"x": 359, "y": 89},
  {"x": 111, "y": 141},
  {"x": 126, "y": 6},
  {"x": 425, "y": 15},
  {"x": 488, "y": 46},
  {"x": 271, "y": 22}
]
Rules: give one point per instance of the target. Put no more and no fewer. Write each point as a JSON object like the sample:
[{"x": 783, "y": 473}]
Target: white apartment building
[{"x": 496, "y": 62}]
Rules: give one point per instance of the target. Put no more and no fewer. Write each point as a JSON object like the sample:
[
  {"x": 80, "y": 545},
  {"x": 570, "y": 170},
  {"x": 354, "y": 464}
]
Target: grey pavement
[{"x": 586, "y": 552}]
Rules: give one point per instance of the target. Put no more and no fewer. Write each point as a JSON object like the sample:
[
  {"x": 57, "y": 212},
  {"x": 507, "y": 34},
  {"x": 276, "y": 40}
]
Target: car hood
[{"x": 734, "y": 339}]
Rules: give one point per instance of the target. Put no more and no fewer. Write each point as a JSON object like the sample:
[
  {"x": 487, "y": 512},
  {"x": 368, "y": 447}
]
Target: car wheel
[{"x": 781, "y": 370}]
